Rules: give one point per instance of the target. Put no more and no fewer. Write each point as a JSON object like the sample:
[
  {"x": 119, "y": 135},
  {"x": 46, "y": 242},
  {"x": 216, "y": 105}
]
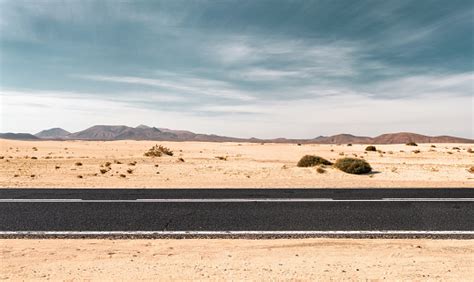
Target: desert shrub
[
  {"x": 57, "y": 167},
  {"x": 349, "y": 145},
  {"x": 78, "y": 164},
  {"x": 433, "y": 146},
  {"x": 353, "y": 166},
  {"x": 103, "y": 170},
  {"x": 132, "y": 163},
  {"x": 34, "y": 158},
  {"x": 181, "y": 160},
  {"x": 416, "y": 151},
  {"x": 320, "y": 170},
  {"x": 310, "y": 160},
  {"x": 471, "y": 169},
  {"x": 123, "y": 175},
  {"x": 79, "y": 176},
  {"x": 470, "y": 150},
  {"x": 158, "y": 151},
  {"x": 129, "y": 171},
  {"x": 108, "y": 164},
  {"x": 371, "y": 149},
  {"x": 411, "y": 144},
  {"x": 222, "y": 158},
  {"x": 456, "y": 148}
]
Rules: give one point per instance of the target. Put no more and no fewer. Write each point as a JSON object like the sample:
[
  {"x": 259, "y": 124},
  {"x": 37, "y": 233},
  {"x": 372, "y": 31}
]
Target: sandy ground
[
  {"x": 282, "y": 259},
  {"x": 78, "y": 164}
]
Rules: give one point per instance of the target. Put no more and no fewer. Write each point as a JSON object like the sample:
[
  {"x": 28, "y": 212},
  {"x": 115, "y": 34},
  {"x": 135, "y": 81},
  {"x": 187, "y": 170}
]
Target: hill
[{"x": 53, "y": 133}]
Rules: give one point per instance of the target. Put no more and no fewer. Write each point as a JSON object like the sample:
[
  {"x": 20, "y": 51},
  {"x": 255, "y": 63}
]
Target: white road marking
[
  {"x": 236, "y": 200},
  {"x": 208, "y": 233}
]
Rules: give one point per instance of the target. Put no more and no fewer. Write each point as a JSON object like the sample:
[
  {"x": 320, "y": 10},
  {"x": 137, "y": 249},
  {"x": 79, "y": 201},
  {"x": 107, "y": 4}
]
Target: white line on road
[
  {"x": 236, "y": 200},
  {"x": 207, "y": 233}
]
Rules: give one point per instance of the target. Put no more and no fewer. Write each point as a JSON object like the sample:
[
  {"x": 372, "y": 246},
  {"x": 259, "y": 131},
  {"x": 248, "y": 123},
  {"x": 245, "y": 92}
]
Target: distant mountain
[
  {"x": 53, "y": 133},
  {"x": 405, "y": 137},
  {"x": 18, "y": 136},
  {"x": 144, "y": 132}
]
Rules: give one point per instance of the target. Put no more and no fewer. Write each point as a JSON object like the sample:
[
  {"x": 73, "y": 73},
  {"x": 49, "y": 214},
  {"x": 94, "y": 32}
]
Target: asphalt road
[{"x": 237, "y": 212}]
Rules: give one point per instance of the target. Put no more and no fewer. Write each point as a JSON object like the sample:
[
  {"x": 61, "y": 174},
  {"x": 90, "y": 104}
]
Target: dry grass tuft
[{"x": 158, "y": 151}]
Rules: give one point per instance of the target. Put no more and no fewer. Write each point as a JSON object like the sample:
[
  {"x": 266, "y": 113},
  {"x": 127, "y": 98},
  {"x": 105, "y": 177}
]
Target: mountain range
[{"x": 143, "y": 132}]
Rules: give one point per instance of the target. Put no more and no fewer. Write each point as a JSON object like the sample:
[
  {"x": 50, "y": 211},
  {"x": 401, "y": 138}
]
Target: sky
[{"x": 244, "y": 68}]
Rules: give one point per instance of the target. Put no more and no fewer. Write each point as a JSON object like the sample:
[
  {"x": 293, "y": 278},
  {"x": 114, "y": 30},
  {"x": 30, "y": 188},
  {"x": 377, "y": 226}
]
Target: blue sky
[{"x": 243, "y": 68}]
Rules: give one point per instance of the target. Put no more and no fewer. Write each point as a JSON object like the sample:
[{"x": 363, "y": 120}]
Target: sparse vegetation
[
  {"x": 222, "y": 158},
  {"x": 78, "y": 164},
  {"x": 309, "y": 160},
  {"x": 416, "y": 151},
  {"x": 349, "y": 145},
  {"x": 471, "y": 169},
  {"x": 123, "y": 176},
  {"x": 79, "y": 176},
  {"x": 353, "y": 166},
  {"x": 433, "y": 146},
  {"x": 132, "y": 163},
  {"x": 35, "y": 149},
  {"x": 371, "y": 149},
  {"x": 320, "y": 170},
  {"x": 158, "y": 151},
  {"x": 411, "y": 144},
  {"x": 103, "y": 170},
  {"x": 456, "y": 148},
  {"x": 34, "y": 158},
  {"x": 57, "y": 167},
  {"x": 117, "y": 162},
  {"x": 129, "y": 171},
  {"x": 107, "y": 164},
  {"x": 181, "y": 160},
  {"x": 470, "y": 150}
]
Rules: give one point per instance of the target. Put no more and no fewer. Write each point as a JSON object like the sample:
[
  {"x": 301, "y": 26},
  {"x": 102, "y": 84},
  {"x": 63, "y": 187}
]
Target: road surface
[{"x": 237, "y": 212}]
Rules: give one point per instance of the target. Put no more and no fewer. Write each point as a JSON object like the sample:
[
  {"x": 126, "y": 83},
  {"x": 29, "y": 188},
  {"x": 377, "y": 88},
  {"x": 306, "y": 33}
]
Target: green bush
[
  {"x": 309, "y": 160},
  {"x": 353, "y": 166},
  {"x": 371, "y": 149}
]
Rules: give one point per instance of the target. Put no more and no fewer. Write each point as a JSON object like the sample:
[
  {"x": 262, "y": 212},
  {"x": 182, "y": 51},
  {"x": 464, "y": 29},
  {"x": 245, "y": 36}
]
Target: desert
[
  {"x": 255, "y": 260},
  {"x": 114, "y": 164}
]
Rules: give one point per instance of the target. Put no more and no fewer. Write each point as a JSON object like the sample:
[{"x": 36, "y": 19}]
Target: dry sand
[
  {"x": 304, "y": 259},
  {"x": 247, "y": 165}
]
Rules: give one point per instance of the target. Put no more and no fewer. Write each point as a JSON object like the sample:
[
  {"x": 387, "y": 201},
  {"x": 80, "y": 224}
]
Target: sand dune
[{"x": 233, "y": 165}]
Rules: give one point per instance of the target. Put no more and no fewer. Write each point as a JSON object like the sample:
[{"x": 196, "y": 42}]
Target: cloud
[{"x": 191, "y": 86}]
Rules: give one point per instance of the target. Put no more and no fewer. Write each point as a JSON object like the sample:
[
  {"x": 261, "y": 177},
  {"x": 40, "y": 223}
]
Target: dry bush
[
  {"x": 181, "y": 160},
  {"x": 222, "y": 158},
  {"x": 78, "y": 164},
  {"x": 158, "y": 151},
  {"x": 132, "y": 163},
  {"x": 471, "y": 169},
  {"x": 470, "y": 150},
  {"x": 34, "y": 158},
  {"x": 309, "y": 160},
  {"x": 129, "y": 171},
  {"x": 411, "y": 144},
  {"x": 416, "y": 151},
  {"x": 103, "y": 170},
  {"x": 353, "y": 166},
  {"x": 108, "y": 164},
  {"x": 123, "y": 175},
  {"x": 320, "y": 170}
]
